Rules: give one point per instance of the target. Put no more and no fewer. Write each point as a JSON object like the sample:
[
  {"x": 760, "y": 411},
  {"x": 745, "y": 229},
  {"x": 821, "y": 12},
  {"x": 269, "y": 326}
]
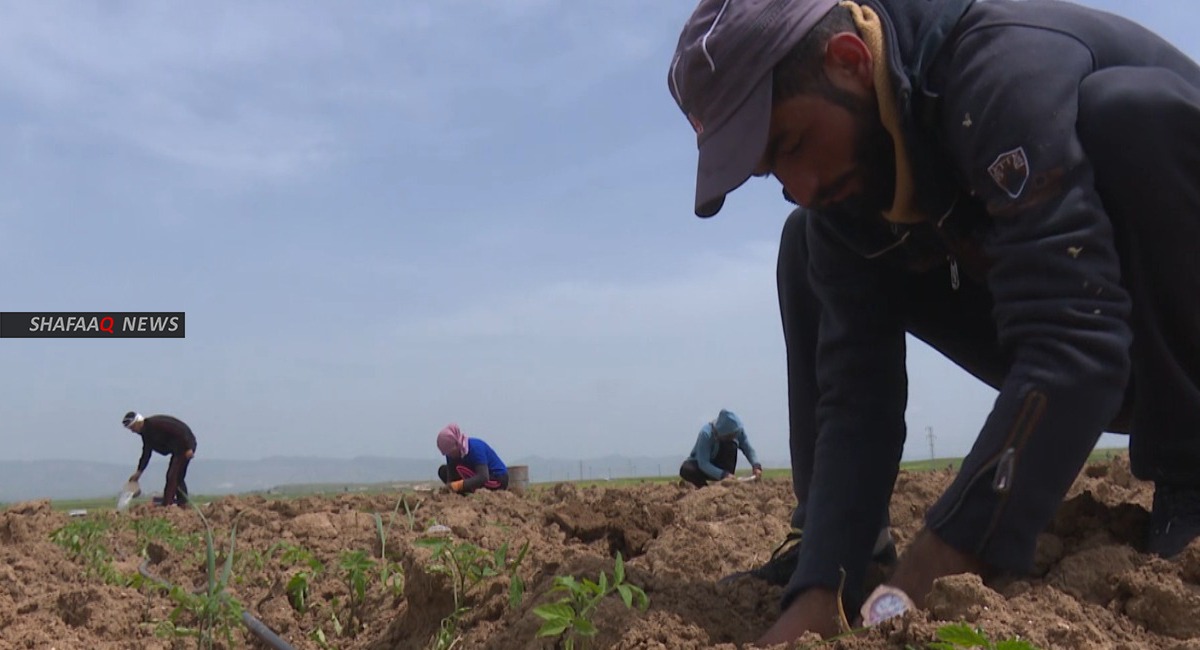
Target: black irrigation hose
[{"x": 256, "y": 627}]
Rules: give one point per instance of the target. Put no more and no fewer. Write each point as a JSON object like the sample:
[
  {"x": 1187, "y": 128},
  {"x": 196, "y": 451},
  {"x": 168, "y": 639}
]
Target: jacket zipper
[
  {"x": 954, "y": 283},
  {"x": 1005, "y": 463}
]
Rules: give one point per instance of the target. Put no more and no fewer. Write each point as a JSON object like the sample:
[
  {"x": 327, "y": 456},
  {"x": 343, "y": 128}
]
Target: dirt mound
[{"x": 422, "y": 570}]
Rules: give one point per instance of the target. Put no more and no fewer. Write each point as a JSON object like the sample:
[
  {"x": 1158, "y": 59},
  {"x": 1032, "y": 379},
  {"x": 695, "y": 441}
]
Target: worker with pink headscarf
[{"x": 470, "y": 463}]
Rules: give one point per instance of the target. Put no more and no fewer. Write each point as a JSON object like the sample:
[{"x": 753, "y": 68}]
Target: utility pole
[{"x": 929, "y": 435}]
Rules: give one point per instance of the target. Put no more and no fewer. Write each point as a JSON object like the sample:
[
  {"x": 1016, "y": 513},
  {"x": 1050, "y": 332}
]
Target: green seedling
[
  {"x": 216, "y": 613},
  {"x": 297, "y": 589},
  {"x": 467, "y": 566},
  {"x": 355, "y": 566},
  {"x": 391, "y": 574},
  {"x": 411, "y": 514},
  {"x": 447, "y": 635},
  {"x": 298, "y": 586},
  {"x": 335, "y": 605},
  {"x": 570, "y": 617},
  {"x": 318, "y": 637},
  {"x": 249, "y": 561},
  {"x": 960, "y": 636},
  {"x": 84, "y": 540}
]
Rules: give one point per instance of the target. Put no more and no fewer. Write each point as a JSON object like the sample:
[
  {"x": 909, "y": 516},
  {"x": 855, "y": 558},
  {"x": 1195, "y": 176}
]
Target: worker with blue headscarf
[{"x": 714, "y": 458}]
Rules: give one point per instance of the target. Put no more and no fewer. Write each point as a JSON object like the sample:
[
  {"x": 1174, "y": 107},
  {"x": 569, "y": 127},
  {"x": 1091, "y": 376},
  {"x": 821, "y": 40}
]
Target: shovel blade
[{"x": 131, "y": 490}]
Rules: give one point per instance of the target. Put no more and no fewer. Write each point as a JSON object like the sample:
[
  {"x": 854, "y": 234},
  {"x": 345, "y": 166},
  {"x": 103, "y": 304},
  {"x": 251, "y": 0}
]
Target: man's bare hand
[
  {"x": 814, "y": 610},
  {"x": 927, "y": 559}
]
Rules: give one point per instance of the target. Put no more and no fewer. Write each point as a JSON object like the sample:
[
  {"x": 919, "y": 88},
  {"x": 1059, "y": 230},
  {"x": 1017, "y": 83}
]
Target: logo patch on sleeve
[{"x": 1010, "y": 170}]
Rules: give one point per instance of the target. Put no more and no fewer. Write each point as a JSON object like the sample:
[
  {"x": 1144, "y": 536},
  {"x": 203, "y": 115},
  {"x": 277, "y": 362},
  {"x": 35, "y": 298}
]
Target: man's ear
[{"x": 848, "y": 61}]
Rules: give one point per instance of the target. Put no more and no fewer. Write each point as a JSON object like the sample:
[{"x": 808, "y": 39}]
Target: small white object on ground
[
  {"x": 884, "y": 603},
  {"x": 437, "y": 529},
  {"x": 76, "y": 513},
  {"x": 744, "y": 479}
]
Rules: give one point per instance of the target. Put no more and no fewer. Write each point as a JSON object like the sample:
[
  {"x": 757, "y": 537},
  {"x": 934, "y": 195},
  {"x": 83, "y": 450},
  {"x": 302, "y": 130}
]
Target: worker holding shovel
[{"x": 165, "y": 435}]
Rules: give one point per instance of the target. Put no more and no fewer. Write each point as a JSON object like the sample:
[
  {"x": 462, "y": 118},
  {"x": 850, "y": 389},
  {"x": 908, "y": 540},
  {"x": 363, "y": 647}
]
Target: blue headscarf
[{"x": 727, "y": 424}]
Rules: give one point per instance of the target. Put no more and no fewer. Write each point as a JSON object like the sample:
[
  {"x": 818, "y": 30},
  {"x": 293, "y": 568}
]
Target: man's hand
[
  {"x": 728, "y": 477},
  {"x": 133, "y": 478},
  {"x": 927, "y": 559},
  {"x": 189, "y": 453},
  {"x": 758, "y": 472},
  {"x": 814, "y": 610}
]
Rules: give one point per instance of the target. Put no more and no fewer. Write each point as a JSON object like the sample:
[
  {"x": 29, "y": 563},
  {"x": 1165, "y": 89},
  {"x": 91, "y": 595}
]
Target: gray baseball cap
[{"x": 721, "y": 79}]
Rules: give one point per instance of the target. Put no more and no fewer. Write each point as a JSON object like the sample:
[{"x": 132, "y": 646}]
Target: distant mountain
[{"x": 70, "y": 479}]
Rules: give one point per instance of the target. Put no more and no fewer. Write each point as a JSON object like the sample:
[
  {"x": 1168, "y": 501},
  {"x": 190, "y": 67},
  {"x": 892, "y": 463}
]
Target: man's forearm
[
  {"x": 1013, "y": 480},
  {"x": 854, "y": 473}
]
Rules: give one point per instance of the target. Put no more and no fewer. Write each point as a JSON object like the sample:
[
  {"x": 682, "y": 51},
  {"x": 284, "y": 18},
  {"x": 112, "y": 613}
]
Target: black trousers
[
  {"x": 176, "y": 491},
  {"x": 727, "y": 457},
  {"x": 1141, "y": 131}
]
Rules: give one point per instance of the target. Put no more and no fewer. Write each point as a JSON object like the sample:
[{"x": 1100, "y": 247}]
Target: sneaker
[
  {"x": 779, "y": 569},
  {"x": 1174, "y": 519}
]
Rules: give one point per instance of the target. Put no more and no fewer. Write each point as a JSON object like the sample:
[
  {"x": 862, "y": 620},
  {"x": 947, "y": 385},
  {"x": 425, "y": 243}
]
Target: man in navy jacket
[{"x": 1014, "y": 183}]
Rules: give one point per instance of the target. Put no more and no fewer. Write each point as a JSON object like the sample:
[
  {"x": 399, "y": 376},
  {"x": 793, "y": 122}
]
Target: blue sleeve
[
  {"x": 744, "y": 444},
  {"x": 495, "y": 465},
  {"x": 703, "y": 453}
]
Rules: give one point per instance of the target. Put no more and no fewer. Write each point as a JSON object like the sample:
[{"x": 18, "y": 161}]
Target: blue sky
[{"x": 383, "y": 217}]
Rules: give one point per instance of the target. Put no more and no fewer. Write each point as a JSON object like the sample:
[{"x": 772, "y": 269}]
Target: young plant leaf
[
  {"x": 626, "y": 595},
  {"x": 962, "y": 635},
  {"x": 554, "y": 611},
  {"x": 585, "y": 627},
  {"x": 553, "y": 627}
]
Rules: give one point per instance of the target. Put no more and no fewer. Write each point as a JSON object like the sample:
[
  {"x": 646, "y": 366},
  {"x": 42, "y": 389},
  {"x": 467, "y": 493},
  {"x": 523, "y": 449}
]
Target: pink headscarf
[{"x": 451, "y": 441}]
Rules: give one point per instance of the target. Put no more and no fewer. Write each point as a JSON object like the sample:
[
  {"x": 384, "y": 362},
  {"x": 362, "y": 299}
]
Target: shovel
[{"x": 131, "y": 490}]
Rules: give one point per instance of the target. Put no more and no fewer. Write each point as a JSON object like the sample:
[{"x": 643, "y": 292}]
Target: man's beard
[
  {"x": 874, "y": 162},
  {"x": 874, "y": 159}
]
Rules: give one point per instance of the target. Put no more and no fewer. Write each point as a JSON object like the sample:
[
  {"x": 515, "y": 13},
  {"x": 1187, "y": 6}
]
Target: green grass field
[
  {"x": 330, "y": 489},
  {"x": 1098, "y": 455}
]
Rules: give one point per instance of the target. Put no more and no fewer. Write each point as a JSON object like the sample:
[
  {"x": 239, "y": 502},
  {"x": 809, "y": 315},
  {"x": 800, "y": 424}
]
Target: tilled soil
[{"x": 1092, "y": 588}]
